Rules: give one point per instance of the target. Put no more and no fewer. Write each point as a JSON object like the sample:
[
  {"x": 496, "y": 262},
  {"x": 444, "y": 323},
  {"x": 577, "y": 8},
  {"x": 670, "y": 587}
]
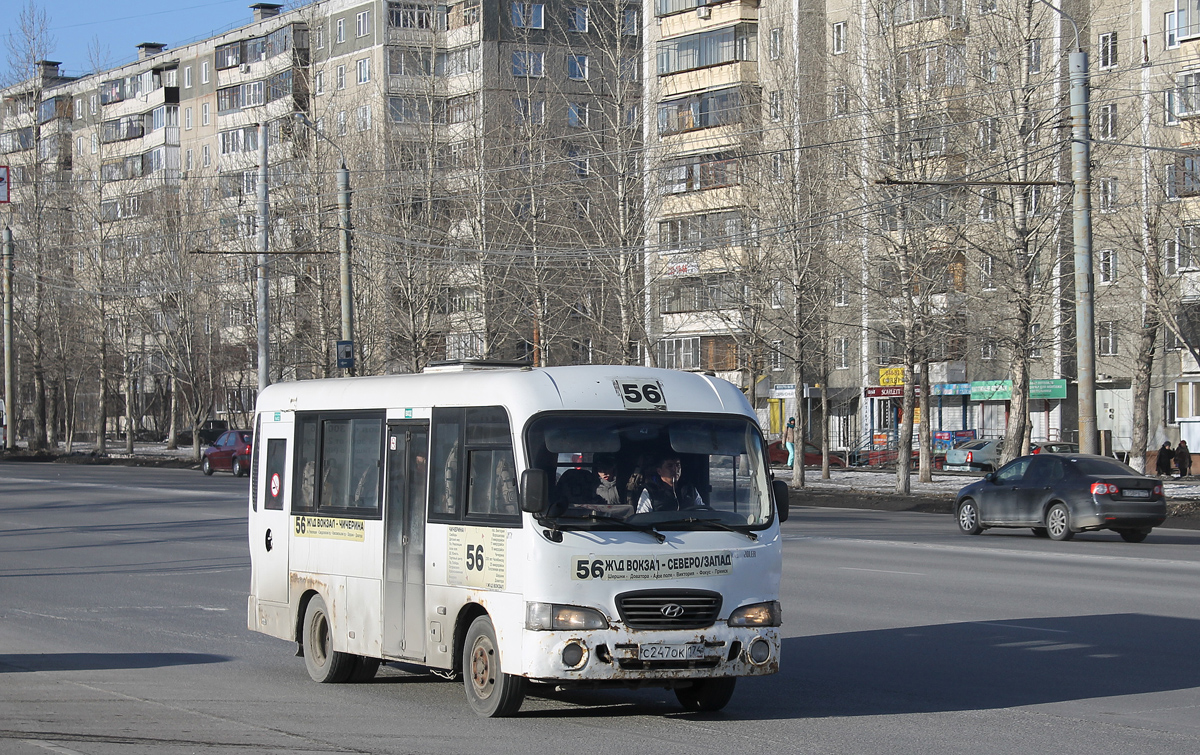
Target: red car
[
  {"x": 778, "y": 455},
  {"x": 231, "y": 452}
]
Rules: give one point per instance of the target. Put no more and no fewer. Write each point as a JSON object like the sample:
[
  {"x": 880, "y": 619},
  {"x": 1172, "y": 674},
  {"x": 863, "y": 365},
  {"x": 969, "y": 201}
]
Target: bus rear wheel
[
  {"x": 324, "y": 664},
  {"x": 707, "y": 695},
  {"x": 491, "y": 692}
]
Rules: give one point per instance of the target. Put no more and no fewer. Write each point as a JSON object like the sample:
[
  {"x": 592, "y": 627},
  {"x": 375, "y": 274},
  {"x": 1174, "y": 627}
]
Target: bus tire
[
  {"x": 364, "y": 669},
  {"x": 325, "y": 665},
  {"x": 707, "y": 695},
  {"x": 491, "y": 692}
]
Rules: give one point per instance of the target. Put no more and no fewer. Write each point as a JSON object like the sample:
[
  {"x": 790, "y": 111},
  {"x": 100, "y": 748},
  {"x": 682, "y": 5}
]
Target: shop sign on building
[
  {"x": 1001, "y": 390},
  {"x": 891, "y": 376}
]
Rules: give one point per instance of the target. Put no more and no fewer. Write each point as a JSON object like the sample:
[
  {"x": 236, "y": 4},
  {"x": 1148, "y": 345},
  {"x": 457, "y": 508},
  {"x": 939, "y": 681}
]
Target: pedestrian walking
[
  {"x": 1166, "y": 455},
  {"x": 789, "y": 440},
  {"x": 1183, "y": 458}
]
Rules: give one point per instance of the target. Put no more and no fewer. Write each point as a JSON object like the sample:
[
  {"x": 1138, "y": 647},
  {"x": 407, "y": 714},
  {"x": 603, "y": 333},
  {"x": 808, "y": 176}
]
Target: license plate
[
  {"x": 957, "y": 468},
  {"x": 1135, "y": 493},
  {"x": 689, "y": 652}
]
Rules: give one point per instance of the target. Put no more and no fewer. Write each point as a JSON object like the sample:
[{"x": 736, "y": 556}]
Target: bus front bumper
[{"x": 621, "y": 655}]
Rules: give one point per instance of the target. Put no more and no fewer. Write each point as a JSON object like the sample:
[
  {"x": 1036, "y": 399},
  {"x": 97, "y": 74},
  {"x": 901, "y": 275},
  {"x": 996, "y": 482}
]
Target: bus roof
[{"x": 524, "y": 391}]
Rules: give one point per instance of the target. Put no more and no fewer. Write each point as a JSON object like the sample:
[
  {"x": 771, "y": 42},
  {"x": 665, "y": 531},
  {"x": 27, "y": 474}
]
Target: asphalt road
[{"x": 122, "y": 630}]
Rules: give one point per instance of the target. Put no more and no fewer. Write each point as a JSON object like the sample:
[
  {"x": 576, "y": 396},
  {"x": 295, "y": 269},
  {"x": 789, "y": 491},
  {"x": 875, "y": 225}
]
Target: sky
[{"x": 121, "y": 25}]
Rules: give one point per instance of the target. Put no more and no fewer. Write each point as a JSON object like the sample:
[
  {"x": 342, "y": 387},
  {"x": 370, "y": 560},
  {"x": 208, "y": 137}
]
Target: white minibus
[{"x": 589, "y": 525}]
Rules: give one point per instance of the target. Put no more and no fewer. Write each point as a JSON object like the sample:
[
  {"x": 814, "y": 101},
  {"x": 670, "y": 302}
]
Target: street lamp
[
  {"x": 1081, "y": 177},
  {"x": 343, "y": 181}
]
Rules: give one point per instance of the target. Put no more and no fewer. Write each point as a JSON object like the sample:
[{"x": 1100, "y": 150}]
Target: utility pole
[
  {"x": 264, "y": 237},
  {"x": 343, "y": 180},
  {"x": 1081, "y": 176},
  {"x": 10, "y": 435}
]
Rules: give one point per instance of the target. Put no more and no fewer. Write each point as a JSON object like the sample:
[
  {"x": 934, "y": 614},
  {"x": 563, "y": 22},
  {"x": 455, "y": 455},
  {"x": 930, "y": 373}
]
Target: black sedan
[{"x": 1061, "y": 494}]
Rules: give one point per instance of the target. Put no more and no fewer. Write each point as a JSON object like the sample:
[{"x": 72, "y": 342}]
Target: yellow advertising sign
[
  {"x": 328, "y": 527},
  {"x": 477, "y": 556},
  {"x": 891, "y": 376}
]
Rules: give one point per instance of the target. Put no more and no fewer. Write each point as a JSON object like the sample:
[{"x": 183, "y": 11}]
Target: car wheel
[
  {"x": 206, "y": 466},
  {"x": 1041, "y": 532},
  {"x": 1133, "y": 536},
  {"x": 1058, "y": 523},
  {"x": 968, "y": 517},
  {"x": 491, "y": 692},
  {"x": 324, "y": 664},
  {"x": 707, "y": 695},
  {"x": 237, "y": 467}
]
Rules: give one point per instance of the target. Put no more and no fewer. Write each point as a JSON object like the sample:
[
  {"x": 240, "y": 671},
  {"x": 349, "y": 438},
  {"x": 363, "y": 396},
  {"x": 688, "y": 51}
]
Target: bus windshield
[{"x": 658, "y": 471}]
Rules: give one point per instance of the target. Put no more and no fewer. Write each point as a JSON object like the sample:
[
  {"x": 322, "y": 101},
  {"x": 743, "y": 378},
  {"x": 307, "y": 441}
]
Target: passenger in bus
[
  {"x": 504, "y": 498},
  {"x": 665, "y": 492},
  {"x": 605, "y": 465},
  {"x": 333, "y": 485}
]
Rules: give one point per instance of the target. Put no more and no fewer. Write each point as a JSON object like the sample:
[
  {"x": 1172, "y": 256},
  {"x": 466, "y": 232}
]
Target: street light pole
[
  {"x": 344, "y": 246},
  {"x": 264, "y": 211},
  {"x": 10, "y": 435}
]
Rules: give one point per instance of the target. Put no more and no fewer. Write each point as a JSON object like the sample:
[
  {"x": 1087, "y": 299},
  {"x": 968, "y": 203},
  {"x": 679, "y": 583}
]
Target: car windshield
[
  {"x": 665, "y": 472},
  {"x": 1100, "y": 467}
]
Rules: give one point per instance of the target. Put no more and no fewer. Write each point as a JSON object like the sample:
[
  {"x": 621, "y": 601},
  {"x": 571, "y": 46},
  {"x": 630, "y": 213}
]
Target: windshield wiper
[
  {"x": 596, "y": 516},
  {"x": 718, "y": 525}
]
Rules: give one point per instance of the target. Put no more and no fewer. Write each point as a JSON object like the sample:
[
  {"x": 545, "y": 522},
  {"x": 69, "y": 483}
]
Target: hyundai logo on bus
[{"x": 671, "y": 610}]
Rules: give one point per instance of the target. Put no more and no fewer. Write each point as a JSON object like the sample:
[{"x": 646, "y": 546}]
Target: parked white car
[{"x": 981, "y": 455}]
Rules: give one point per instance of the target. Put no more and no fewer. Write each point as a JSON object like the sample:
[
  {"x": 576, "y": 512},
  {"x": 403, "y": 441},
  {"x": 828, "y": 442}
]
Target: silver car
[{"x": 975, "y": 456}]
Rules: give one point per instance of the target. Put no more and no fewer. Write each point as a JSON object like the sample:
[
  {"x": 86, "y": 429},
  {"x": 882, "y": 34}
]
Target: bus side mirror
[
  {"x": 779, "y": 490},
  {"x": 534, "y": 491}
]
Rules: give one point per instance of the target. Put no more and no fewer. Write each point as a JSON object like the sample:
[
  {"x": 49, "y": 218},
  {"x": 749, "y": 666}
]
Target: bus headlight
[
  {"x": 767, "y": 614},
  {"x": 540, "y": 617}
]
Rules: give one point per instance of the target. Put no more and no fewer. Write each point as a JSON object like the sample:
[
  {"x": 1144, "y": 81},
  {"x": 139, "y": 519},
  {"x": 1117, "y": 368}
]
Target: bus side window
[
  {"x": 493, "y": 486},
  {"x": 303, "y": 498},
  {"x": 444, "y": 480}
]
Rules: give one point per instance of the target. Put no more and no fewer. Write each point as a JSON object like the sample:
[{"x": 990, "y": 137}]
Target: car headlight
[
  {"x": 767, "y": 614},
  {"x": 540, "y": 617}
]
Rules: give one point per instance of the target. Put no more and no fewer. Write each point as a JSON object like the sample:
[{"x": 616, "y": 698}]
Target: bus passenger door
[
  {"x": 404, "y": 555},
  {"x": 270, "y": 536}
]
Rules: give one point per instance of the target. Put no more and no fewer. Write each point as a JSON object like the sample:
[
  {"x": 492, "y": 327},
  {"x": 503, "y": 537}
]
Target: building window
[
  {"x": 775, "y": 104},
  {"x": 1035, "y": 56},
  {"x": 841, "y": 100},
  {"x": 839, "y": 38},
  {"x": 1035, "y": 340},
  {"x": 340, "y": 30},
  {"x": 1106, "y": 332},
  {"x": 987, "y": 349},
  {"x": 841, "y": 293},
  {"x": 341, "y": 77},
  {"x": 841, "y": 353},
  {"x": 205, "y": 116},
  {"x": 775, "y": 45},
  {"x": 364, "y": 118},
  {"x": 526, "y": 63},
  {"x": 1170, "y": 110},
  {"x": 529, "y": 111},
  {"x": 187, "y": 77},
  {"x": 364, "y": 70},
  {"x": 988, "y": 199},
  {"x": 989, "y": 134},
  {"x": 577, "y": 67},
  {"x": 777, "y": 166},
  {"x": 1169, "y": 415},
  {"x": 1108, "y": 50},
  {"x": 577, "y": 114},
  {"x": 989, "y": 64},
  {"x": 577, "y": 19},
  {"x": 206, "y": 155},
  {"x": 776, "y": 356},
  {"x": 679, "y": 353},
  {"x": 528, "y": 15},
  {"x": 631, "y": 25},
  {"x": 319, "y": 82},
  {"x": 362, "y": 23},
  {"x": 1170, "y": 31},
  {"x": 187, "y": 119},
  {"x": 987, "y": 6},
  {"x": 1108, "y": 194},
  {"x": 986, "y": 279},
  {"x": 341, "y": 123},
  {"x": 1106, "y": 123},
  {"x": 1108, "y": 266}
]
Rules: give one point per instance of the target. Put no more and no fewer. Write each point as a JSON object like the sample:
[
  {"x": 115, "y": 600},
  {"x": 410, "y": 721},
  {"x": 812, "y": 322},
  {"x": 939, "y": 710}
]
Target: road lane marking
[
  {"x": 882, "y": 571},
  {"x": 51, "y": 748},
  {"x": 984, "y": 550},
  {"x": 1020, "y": 626},
  {"x": 173, "y": 491}
]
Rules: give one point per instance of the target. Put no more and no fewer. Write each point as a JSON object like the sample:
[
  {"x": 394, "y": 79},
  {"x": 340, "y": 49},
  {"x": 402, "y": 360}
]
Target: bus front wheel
[
  {"x": 707, "y": 695},
  {"x": 324, "y": 664},
  {"x": 491, "y": 692}
]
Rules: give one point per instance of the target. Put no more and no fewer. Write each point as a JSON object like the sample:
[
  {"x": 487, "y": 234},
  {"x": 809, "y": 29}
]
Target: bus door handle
[
  {"x": 404, "y": 539},
  {"x": 269, "y": 542}
]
